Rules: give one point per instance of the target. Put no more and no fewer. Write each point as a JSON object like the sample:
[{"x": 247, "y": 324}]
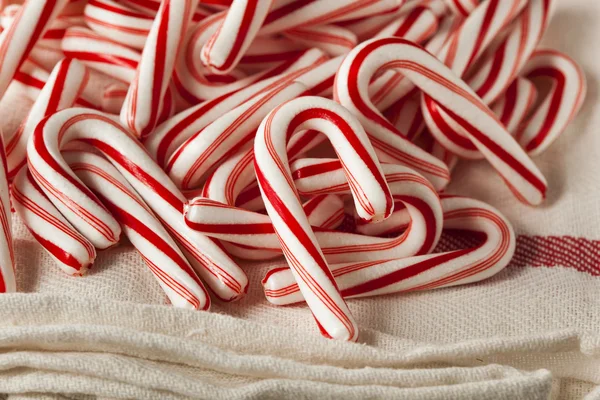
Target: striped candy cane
[
  {"x": 323, "y": 176},
  {"x": 16, "y": 42},
  {"x": 8, "y": 282},
  {"x": 458, "y": 267},
  {"x": 141, "y": 110},
  {"x": 87, "y": 214},
  {"x": 61, "y": 90},
  {"x": 462, "y": 7},
  {"x": 497, "y": 71},
  {"x": 370, "y": 191},
  {"x": 560, "y": 105},
  {"x": 170, "y": 135},
  {"x": 225, "y": 136},
  {"x": 144, "y": 231},
  {"x": 223, "y": 51},
  {"x": 453, "y": 95}
]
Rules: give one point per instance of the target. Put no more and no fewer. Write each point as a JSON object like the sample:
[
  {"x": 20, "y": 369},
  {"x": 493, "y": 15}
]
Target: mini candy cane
[
  {"x": 170, "y": 135},
  {"x": 268, "y": 52},
  {"x": 370, "y": 191},
  {"x": 8, "y": 282},
  {"x": 455, "y": 97},
  {"x": 293, "y": 14},
  {"x": 144, "y": 231},
  {"x": 560, "y": 105},
  {"x": 101, "y": 54},
  {"x": 497, "y": 72},
  {"x": 224, "y": 136},
  {"x": 142, "y": 105},
  {"x": 190, "y": 77},
  {"x": 61, "y": 90},
  {"x": 87, "y": 214},
  {"x": 327, "y": 176},
  {"x": 30, "y": 23},
  {"x": 426, "y": 272},
  {"x": 223, "y": 51},
  {"x": 333, "y": 40},
  {"x": 72, "y": 252}
]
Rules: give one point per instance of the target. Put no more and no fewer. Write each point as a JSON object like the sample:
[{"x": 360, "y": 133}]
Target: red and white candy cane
[
  {"x": 87, "y": 214},
  {"x": 458, "y": 267},
  {"x": 515, "y": 104},
  {"x": 171, "y": 134},
  {"x": 268, "y": 52},
  {"x": 61, "y": 90},
  {"x": 456, "y": 98},
  {"x": 72, "y": 252},
  {"x": 168, "y": 264},
  {"x": 8, "y": 282},
  {"x": 370, "y": 191},
  {"x": 292, "y": 14},
  {"x": 223, "y": 51},
  {"x": 560, "y": 105},
  {"x": 332, "y": 39},
  {"x": 317, "y": 177},
  {"x": 141, "y": 110},
  {"x": 16, "y": 42},
  {"x": 493, "y": 76},
  {"x": 418, "y": 25},
  {"x": 497, "y": 71},
  {"x": 225, "y": 136},
  {"x": 101, "y": 54}
]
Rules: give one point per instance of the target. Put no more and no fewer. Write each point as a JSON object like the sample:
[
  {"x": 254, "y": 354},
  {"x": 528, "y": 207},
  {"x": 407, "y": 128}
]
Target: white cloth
[{"x": 531, "y": 332}]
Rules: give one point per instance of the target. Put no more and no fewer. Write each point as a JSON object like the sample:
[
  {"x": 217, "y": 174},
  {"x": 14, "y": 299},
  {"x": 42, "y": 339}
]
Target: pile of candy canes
[{"x": 189, "y": 126}]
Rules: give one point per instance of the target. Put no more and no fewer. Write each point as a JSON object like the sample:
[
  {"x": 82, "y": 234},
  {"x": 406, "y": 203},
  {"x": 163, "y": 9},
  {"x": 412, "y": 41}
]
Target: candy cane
[
  {"x": 29, "y": 25},
  {"x": 87, "y": 214},
  {"x": 426, "y": 272},
  {"x": 268, "y": 52},
  {"x": 515, "y": 104},
  {"x": 418, "y": 25},
  {"x": 8, "y": 282},
  {"x": 462, "y": 7},
  {"x": 327, "y": 176},
  {"x": 498, "y": 70},
  {"x": 61, "y": 90},
  {"x": 72, "y": 252},
  {"x": 144, "y": 231},
  {"x": 140, "y": 112},
  {"x": 560, "y": 105},
  {"x": 407, "y": 117},
  {"x": 190, "y": 78},
  {"x": 101, "y": 54},
  {"x": 293, "y": 14},
  {"x": 370, "y": 191},
  {"x": 334, "y": 40},
  {"x": 223, "y": 51},
  {"x": 170, "y": 135},
  {"x": 224, "y": 136},
  {"x": 453, "y": 95}
]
